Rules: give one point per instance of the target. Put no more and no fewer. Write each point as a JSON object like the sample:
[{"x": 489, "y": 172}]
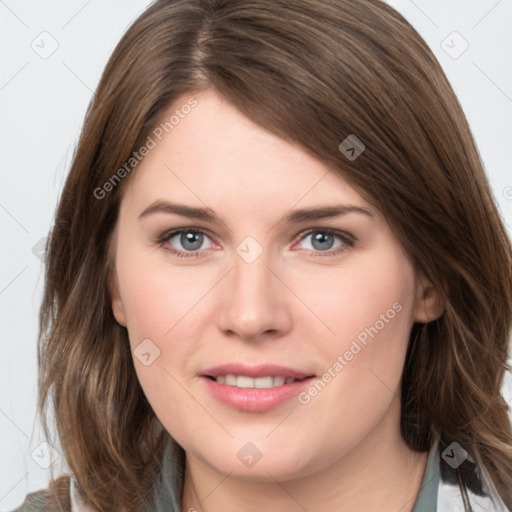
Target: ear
[
  {"x": 115, "y": 299},
  {"x": 429, "y": 304}
]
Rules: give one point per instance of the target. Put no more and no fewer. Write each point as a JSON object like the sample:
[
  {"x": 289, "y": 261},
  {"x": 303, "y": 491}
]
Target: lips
[{"x": 254, "y": 388}]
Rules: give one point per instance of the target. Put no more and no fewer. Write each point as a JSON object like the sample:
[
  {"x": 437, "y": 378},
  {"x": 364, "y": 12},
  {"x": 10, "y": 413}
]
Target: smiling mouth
[
  {"x": 243, "y": 381},
  {"x": 255, "y": 388}
]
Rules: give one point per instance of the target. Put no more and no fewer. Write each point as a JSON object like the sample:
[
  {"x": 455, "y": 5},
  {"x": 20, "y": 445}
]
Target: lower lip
[{"x": 255, "y": 399}]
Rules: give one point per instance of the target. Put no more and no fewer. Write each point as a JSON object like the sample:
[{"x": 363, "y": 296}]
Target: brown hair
[{"x": 311, "y": 72}]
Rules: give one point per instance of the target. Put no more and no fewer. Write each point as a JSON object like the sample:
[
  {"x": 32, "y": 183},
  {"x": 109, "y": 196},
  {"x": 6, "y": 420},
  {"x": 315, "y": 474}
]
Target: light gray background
[{"x": 43, "y": 102}]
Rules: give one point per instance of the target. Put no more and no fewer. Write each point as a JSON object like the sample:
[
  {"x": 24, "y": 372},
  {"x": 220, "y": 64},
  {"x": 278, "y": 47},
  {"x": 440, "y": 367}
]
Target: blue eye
[
  {"x": 192, "y": 239},
  {"x": 323, "y": 240}
]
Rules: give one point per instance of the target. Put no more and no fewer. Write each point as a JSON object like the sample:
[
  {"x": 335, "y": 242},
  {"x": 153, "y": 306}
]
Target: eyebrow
[{"x": 293, "y": 217}]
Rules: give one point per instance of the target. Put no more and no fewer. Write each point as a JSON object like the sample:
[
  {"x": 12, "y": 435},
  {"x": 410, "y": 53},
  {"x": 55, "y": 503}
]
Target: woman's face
[{"x": 274, "y": 294}]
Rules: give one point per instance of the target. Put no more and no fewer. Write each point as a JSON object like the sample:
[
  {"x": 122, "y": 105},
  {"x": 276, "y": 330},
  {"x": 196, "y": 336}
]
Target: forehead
[{"x": 217, "y": 155}]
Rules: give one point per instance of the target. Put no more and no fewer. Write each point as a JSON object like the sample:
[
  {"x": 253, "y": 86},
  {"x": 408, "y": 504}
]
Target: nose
[{"x": 254, "y": 301}]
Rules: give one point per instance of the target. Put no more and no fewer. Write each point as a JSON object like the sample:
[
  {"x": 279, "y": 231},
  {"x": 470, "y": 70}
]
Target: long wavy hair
[{"x": 311, "y": 72}]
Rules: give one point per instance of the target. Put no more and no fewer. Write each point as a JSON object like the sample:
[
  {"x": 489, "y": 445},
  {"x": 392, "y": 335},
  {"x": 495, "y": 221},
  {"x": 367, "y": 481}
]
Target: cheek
[
  {"x": 156, "y": 296},
  {"x": 368, "y": 309},
  {"x": 157, "y": 301},
  {"x": 162, "y": 304},
  {"x": 373, "y": 297}
]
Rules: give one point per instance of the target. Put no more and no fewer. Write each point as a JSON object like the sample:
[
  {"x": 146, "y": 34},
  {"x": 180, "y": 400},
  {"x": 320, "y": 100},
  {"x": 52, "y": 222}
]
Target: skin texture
[{"x": 292, "y": 306}]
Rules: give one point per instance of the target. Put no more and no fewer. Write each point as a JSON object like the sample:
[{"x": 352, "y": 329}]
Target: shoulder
[{"x": 55, "y": 498}]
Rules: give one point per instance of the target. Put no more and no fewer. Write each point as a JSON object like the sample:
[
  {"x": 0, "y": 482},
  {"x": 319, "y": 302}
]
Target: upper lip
[{"x": 261, "y": 370}]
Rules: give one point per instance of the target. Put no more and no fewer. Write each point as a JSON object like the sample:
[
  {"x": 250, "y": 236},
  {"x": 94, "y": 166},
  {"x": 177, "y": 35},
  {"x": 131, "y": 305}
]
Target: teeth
[
  {"x": 231, "y": 380},
  {"x": 279, "y": 381},
  {"x": 245, "y": 382},
  {"x": 242, "y": 381}
]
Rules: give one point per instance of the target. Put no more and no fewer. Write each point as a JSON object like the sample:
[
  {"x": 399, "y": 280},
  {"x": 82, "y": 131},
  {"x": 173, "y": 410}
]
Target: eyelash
[{"x": 346, "y": 238}]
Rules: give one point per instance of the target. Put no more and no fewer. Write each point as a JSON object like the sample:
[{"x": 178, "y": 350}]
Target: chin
[{"x": 258, "y": 461}]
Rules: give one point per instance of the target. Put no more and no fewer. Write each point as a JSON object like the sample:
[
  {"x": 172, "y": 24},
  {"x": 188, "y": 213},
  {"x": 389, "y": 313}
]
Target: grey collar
[{"x": 440, "y": 490}]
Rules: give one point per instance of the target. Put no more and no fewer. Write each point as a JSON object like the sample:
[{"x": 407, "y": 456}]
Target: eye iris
[
  {"x": 194, "y": 238},
  {"x": 320, "y": 238}
]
